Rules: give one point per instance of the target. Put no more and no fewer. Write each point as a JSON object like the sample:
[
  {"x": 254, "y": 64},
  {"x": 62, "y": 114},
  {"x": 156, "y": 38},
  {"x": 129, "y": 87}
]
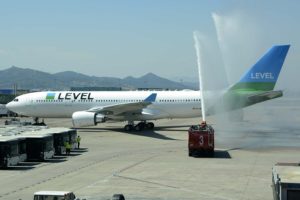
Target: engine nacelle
[{"x": 84, "y": 119}]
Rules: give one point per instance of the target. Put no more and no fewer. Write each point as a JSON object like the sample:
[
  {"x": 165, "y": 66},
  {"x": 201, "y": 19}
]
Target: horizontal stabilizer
[{"x": 264, "y": 96}]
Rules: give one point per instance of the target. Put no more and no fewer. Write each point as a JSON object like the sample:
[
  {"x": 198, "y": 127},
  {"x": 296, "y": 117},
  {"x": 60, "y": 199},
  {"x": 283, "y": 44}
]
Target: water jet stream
[{"x": 200, "y": 71}]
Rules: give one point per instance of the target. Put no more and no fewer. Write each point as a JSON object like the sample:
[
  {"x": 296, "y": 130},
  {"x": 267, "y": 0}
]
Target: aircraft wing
[{"x": 119, "y": 109}]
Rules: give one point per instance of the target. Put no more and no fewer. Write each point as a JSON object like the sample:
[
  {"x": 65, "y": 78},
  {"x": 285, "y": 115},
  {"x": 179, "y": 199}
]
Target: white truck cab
[{"x": 54, "y": 195}]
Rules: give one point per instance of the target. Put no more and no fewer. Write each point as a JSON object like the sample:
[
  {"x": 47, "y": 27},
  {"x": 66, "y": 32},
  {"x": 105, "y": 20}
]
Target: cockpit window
[{"x": 16, "y": 100}]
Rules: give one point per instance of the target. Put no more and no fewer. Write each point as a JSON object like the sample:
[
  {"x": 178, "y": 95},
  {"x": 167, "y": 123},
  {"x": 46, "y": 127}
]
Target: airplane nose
[
  {"x": 15, "y": 107},
  {"x": 9, "y": 106}
]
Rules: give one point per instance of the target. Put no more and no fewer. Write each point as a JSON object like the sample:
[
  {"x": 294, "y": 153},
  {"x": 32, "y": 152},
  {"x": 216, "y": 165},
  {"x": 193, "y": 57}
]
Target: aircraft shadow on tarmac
[
  {"x": 144, "y": 133},
  {"x": 150, "y": 134},
  {"x": 173, "y": 128}
]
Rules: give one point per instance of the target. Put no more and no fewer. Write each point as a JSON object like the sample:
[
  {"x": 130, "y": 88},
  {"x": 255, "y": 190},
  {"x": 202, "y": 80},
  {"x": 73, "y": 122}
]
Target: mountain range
[{"x": 33, "y": 79}]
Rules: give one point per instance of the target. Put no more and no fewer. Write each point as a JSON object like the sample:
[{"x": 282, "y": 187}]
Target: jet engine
[{"x": 84, "y": 119}]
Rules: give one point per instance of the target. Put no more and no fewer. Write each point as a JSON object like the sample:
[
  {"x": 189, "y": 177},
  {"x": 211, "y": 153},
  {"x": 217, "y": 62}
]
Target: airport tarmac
[{"x": 155, "y": 164}]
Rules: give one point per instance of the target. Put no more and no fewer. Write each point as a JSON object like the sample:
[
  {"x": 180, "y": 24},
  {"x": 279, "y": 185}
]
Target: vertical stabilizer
[{"x": 264, "y": 74}]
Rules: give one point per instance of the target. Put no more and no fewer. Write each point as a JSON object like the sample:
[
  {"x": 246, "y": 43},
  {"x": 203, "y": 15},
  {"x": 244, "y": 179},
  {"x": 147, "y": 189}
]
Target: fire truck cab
[{"x": 201, "y": 140}]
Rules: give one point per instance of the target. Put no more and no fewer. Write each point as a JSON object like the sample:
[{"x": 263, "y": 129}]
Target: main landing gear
[{"x": 138, "y": 127}]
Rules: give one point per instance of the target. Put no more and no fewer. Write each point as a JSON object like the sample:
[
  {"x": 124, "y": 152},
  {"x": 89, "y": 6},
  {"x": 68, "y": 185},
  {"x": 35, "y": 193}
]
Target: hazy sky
[{"x": 134, "y": 37}]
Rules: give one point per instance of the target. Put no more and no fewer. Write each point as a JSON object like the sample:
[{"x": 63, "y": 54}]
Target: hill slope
[{"x": 34, "y": 79}]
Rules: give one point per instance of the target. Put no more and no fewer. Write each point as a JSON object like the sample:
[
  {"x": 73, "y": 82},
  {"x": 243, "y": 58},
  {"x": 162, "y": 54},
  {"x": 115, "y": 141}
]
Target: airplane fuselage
[{"x": 62, "y": 104}]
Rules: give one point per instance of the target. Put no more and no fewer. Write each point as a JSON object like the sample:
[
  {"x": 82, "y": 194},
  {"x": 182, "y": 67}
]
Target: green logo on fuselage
[{"x": 50, "y": 96}]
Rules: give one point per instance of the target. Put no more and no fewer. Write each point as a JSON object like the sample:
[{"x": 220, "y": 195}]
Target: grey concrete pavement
[{"x": 155, "y": 164}]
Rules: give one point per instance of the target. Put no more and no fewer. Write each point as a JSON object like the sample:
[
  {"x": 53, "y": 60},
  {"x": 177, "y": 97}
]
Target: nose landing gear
[{"x": 37, "y": 122}]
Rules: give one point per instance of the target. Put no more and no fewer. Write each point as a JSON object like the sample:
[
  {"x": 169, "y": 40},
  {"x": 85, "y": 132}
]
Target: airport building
[
  {"x": 96, "y": 89},
  {"x": 7, "y": 95}
]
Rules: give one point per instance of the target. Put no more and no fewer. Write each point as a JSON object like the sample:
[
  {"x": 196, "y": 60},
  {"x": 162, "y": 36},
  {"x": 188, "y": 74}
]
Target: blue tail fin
[
  {"x": 264, "y": 74},
  {"x": 151, "y": 97}
]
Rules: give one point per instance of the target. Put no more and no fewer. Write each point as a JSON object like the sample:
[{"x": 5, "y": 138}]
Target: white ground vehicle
[
  {"x": 64, "y": 195},
  {"x": 12, "y": 151},
  {"x": 286, "y": 181},
  {"x": 54, "y": 195}
]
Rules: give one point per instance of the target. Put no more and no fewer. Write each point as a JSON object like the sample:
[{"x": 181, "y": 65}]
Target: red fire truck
[{"x": 201, "y": 140}]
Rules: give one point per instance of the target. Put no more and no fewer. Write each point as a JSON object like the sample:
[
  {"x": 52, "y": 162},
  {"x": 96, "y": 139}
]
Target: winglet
[{"x": 151, "y": 98}]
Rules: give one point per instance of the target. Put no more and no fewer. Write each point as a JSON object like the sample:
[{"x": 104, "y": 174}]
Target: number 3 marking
[{"x": 201, "y": 142}]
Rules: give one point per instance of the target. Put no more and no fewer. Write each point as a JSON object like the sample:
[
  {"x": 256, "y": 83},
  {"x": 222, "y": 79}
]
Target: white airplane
[{"x": 91, "y": 108}]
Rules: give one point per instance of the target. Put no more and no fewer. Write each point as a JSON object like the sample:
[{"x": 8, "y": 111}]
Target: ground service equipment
[
  {"x": 72, "y": 138},
  {"x": 54, "y": 195},
  {"x": 65, "y": 195},
  {"x": 39, "y": 147},
  {"x": 61, "y": 136},
  {"x": 12, "y": 151},
  {"x": 59, "y": 142},
  {"x": 201, "y": 140},
  {"x": 286, "y": 181}
]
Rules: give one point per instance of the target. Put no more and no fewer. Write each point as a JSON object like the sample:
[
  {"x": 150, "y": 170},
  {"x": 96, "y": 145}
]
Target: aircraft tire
[
  {"x": 128, "y": 127},
  {"x": 138, "y": 127},
  {"x": 150, "y": 125}
]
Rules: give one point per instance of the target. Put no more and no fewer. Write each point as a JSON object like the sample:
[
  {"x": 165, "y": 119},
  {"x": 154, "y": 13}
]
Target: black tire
[
  {"x": 150, "y": 125},
  {"x": 118, "y": 197},
  {"x": 190, "y": 153},
  {"x": 138, "y": 127},
  {"x": 142, "y": 125},
  {"x": 128, "y": 127}
]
